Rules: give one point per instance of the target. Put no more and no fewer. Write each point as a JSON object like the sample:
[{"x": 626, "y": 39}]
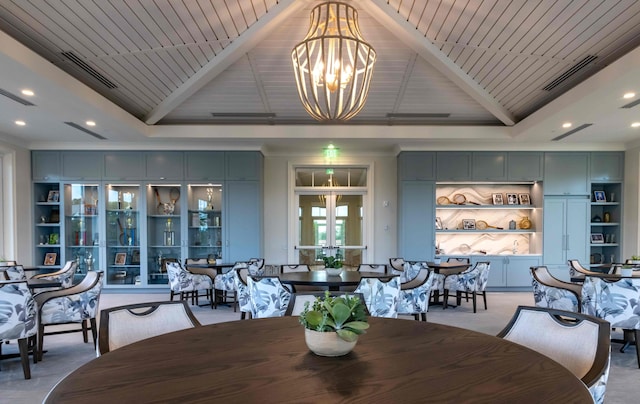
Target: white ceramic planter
[
  {"x": 327, "y": 343},
  {"x": 333, "y": 271}
]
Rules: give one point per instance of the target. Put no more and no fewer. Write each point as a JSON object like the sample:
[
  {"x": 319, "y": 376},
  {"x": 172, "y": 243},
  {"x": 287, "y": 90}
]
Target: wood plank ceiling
[{"x": 476, "y": 62}]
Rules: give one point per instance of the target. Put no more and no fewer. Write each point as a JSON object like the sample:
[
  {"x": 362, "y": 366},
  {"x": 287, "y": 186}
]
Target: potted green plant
[
  {"x": 333, "y": 265},
  {"x": 333, "y": 324},
  {"x": 635, "y": 259}
]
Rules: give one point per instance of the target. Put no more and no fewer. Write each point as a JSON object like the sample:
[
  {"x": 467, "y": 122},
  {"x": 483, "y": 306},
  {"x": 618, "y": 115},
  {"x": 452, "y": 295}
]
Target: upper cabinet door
[
  {"x": 453, "y": 166},
  {"x": 120, "y": 165},
  {"x": 45, "y": 165},
  {"x": 566, "y": 173},
  {"x": 204, "y": 165},
  {"x": 243, "y": 165},
  {"x": 607, "y": 166},
  {"x": 524, "y": 166},
  {"x": 417, "y": 166},
  {"x": 489, "y": 166},
  {"x": 82, "y": 165},
  {"x": 164, "y": 165}
]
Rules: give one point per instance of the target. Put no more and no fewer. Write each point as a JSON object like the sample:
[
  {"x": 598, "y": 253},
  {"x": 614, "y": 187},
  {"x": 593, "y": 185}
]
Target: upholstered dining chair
[
  {"x": 553, "y": 293},
  {"x": 298, "y": 300},
  {"x": 380, "y": 296},
  {"x": 555, "y": 333},
  {"x": 242, "y": 288},
  {"x": 124, "y": 325},
  {"x": 14, "y": 272},
  {"x": 415, "y": 295},
  {"x": 615, "y": 301},
  {"x": 438, "y": 282},
  {"x": 225, "y": 284},
  {"x": 268, "y": 297},
  {"x": 188, "y": 284},
  {"x": 64, "y": 276},
  {"x": 473, "y": 280},
  {"x": 77, "y": 304},
  {"x": 377, "y": 268},
  {"x": 397, "y": 264},
  {"x": 18, "y": 321},
  {"x": 258, "y": 264},
  {"x": 196, "y": 261},
  {"x": 575, "y": 266}
]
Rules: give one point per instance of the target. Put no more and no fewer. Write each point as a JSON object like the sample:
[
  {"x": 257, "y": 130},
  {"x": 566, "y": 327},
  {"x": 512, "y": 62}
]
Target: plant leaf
[
  {"x": 347, "y": 335},
  {"x": 314, "y": 318},
  {"x": 356, "y": 325},
  {"x": 340, "y": 313}
]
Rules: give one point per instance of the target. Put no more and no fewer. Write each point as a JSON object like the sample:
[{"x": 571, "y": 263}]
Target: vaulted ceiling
[{"x": 188, "y": 71}]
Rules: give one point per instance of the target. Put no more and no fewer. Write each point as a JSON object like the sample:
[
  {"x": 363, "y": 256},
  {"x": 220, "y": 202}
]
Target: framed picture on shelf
[
  {"x": 438, "y": 223},
  {"x": 597, "y": 238},
  {"x": 54, "y": 196},
  {"x": 497, "y": 199},
  {"x": 599, "y": 196},
  {"x": 468, "y": 224},
  {"x": 512, "y": 199},
  {"x": 121, "y": 259},
  {"x": 50, "y": 258},
  {"x": 135, "y": 257},
  {"x": 524, "y": 199}
]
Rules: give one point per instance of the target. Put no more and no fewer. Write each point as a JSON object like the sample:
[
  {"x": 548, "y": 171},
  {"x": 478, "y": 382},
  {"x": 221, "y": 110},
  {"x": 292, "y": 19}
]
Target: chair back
[
  {"x": 411, "y": 270},
  {"x": 294, "y": 268},
  {"x": 459, "y": 260},
  {"x": 165, "y": 261},
  {"x": 483, "y": 276},
  {"x": 64, "y": 276},
  {"x": 17, "y": 311},
  {"x": 196, "y": 261},
  {"x": 71, "y": 305},
  {"x": 299, "y": 300},
  {"x": 615, "y": 301},
  {"x": 380, "y": 296},
  {"x": 269, "y": 298},
  {"x": 240, "y": 280},
  {"x": 14, "y": 273},
  {"x": 124, "y": 325},
  {"x": 555, "y": 333},
  {"x": 397, "y": 264},
  {"x": 258, "y": 262},
  {"x": 551, "y": 292},
  {"x": 377, "y": 268},
  {"x": 469, "y": 280},
  {"x": 414, "y": 295},
  {"x": 575, "y": 266}
]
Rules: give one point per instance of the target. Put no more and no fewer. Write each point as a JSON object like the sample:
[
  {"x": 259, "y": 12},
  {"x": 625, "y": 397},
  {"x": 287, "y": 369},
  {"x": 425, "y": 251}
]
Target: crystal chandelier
[{"x": 333, "y": 65}]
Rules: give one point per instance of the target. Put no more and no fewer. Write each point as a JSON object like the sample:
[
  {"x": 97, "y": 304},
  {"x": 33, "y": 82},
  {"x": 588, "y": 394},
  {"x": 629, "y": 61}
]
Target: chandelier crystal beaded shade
[{"x": 333, "y": 65}]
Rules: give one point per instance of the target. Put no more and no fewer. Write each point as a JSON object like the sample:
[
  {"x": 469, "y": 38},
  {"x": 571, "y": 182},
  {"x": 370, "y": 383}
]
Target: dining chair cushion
[
  {"x": 269, "y": 298},
  {"x": 381, "y": 297},
  {"x": 66, "y": 306},
  {"x": 551, "y": 292},
  {"x": 181, "y": 280},
  {"x": 15, "y": 273}
]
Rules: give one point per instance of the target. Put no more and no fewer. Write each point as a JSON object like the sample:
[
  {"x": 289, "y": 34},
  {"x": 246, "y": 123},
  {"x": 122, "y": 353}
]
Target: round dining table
[
  {"x": 267, "y": 361},
  {"x": 321, "y": 278}
]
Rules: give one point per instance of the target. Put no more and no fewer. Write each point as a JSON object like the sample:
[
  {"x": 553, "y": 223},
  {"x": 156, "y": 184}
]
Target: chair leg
[
  {"x": 416, "y": 316},
  {"x": 484, "y": 298},
  {"x": 474, "y": 301},
  {"x": 171, "y": 295},
  {"x": 40, "y": 341},
  {"x": 33, "y": 347},
  {"x": 459, "y": 297},
  {"x": 424, "y": 316},
  {"x": 85, "y": 335},
  {"x": 243, "y": 315},
  {"x": 637, "y": 335},
  {"x": 446, "y": 299},
  {"x": 24, "y": 357},
  {"x": 94, "y": 332}
]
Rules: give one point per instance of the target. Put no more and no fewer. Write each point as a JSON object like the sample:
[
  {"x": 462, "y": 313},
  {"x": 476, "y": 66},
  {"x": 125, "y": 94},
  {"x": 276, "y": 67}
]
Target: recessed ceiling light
[
  {"x": 628, "y": 95},
  {"x": 566, "y": 125},
  {"x": 635, "y": 125},
  {"x": 21, "y": 123},
  {"x": 90, "y": 123},
  {"x": 27, "y": 92}
]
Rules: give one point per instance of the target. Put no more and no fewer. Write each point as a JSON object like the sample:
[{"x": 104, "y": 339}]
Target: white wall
[
  {"x": 631, "y": 238},
  {"x": 277, "y": 204}
]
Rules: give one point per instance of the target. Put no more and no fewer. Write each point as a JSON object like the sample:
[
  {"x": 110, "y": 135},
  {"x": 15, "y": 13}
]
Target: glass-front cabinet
[
  {"x": 164, "y": 239},
  {"x": 205, "y": 221},
  {"x": 82, "y": 226},
  {"x": 47, "y": 228},
  {"x": 122, "y": 234}
]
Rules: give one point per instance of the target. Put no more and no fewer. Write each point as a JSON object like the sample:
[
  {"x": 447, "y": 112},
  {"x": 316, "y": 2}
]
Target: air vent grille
[
  {"x": 243, "y": 115},
  {"x": 89, "y": 70},
  {"x": 571, "y": 132},
  {"x": 573, "y": 70},
  {"x": 16, "y": 98},
  {"x": 417, "y": 115},
  {"x": 85, "y": 130}
]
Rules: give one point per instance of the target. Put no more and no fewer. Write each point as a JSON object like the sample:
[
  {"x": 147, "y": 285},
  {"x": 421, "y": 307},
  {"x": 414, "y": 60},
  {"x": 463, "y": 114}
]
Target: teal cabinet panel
[
  {"x": 204, "y": 165},
  {"x": 607, "y": 166},
  {"x": 417, "y": 166},
  {"x": 243, "y": 220},
  {"x": 416, "y": 239},
  {"x": 566, "y": 232},
  {"x": 518, "y": 270},
  {"x": 123, "y": 165},
  {"x": 243, "y": 165},
  {"x": 497, "y": 264},
  {"x": 453, "y": 166},
  {"x": 489, "y": 166},
  {"x": 524, "y": 166},
  {"x": 45, "y": 165},
  {"x": 566, "y": 173},
  {"x": 81, "y": 165},
  {"x": 578, "y": 230},
  {"x": 164, "y": 165}
]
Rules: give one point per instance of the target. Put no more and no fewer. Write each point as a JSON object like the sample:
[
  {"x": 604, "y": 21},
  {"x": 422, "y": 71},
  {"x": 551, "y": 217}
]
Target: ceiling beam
[
  {"x": 405, "y": 32},
  {"x": 229, "y": 55}
]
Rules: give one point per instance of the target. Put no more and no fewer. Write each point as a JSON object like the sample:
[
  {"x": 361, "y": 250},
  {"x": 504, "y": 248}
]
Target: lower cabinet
[{"x": 508, "y": 270}]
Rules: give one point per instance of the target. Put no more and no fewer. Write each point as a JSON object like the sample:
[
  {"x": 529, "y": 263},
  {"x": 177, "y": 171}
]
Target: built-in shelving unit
[
  {"x": 48, "y": 227},
  {"x": 606, "y": 218}
]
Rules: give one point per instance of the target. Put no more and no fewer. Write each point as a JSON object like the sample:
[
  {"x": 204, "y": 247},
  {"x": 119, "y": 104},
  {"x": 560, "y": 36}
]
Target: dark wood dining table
[
  {"x": 267, "y": 361},
  {"x": 321, "y": 278}
]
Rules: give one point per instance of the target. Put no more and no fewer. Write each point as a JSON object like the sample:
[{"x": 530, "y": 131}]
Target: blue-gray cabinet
[
  {"x": 417, "y": 166},
  {"x": 123, "y": 165},
  {"x": 81, "y": 165},
  {"x": 416, "y": 238},
  {"x": 164, "y": 165},
  {"x": 453, "y": 166},
  {"x": 243, "y": 213},
  {"x": 45, "y": 165},
  {"x": 566, "y": 173},
  {"x": 204, "y": 165},
  {"x": 525, "y": 166},
  {"x": 489, "y": 166},
  {"x": 243, "y": 165},
  {"x": 607, "y": 166},
  {"x": 566, "y": 230}
]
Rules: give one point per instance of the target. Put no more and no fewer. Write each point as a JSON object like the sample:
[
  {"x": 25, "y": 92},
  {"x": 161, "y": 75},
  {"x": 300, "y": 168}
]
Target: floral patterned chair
[
  {"x": 18, "y": 320},
  {"x": 415, "y": 295},
  {"x": 14, "y": 272},
  {"x": 472, "y": 281},
  {"x": 616, "y": 301},
  {"x": 268, "y": 297},
  {"x": 187, "y": 283},
  {"x": 410, "y": 270},
  {"x": 397, "y": 264},
  {"x": 554, "y": 333},
  {"x": 244, "y": 301},
  {"x": 77, "y": 304},
  {"x": 553, "y": 293},
  {"x": 225, "y": 283},
  {"x": 438, "y": 282},
  {"x": 381, "y": 297},
  {"x": 64, "y": 276}
]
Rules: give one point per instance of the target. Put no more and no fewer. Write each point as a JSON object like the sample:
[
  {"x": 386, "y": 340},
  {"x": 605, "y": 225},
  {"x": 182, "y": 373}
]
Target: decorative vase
[{"x": 327, "y": 343}]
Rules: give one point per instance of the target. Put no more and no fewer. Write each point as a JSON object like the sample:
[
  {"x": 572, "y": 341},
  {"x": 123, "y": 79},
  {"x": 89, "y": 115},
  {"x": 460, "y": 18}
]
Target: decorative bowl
[
  {"x": 327, "y": 343},
  {"x": 333, "y": 271}
]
